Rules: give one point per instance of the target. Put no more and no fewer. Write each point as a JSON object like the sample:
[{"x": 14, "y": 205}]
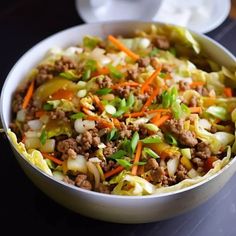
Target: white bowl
[{"x": 113, "y": 208}]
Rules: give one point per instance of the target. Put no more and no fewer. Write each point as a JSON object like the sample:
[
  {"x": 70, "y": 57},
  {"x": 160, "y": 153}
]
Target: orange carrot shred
[
  {"x": 87, "y": 111},
  {"x": 156, "y": 117},
  {"x": 195, "y": 109},
  {"x": 98, "y": 103},
  {"x": 123, "y": 48},
  {"x": 134, "y": 114},
  {"x": 162, "y": 120},
  {"x": 116, "y": 122},
  {"x": 228, "y": 92},
  {"x": 150, "y": 99},
  {"x": 137, "y": 158},
  {"x": 131, "y": 84},
  {"x": 28, "y": 95},
  {"x": 62, "y": 94},
  {"x": 196, "y": 84},
  {"x": 150, "y": 79},
  {"x": 52, "y": 158},
  {"x": 112, "y": 172},
  {"x": 103, "y": 123},
  {"x": 40, "y": 113}
]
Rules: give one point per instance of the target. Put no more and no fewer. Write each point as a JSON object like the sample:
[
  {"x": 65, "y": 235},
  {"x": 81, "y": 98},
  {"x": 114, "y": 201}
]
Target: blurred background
[{"x": 24, "y": 23}]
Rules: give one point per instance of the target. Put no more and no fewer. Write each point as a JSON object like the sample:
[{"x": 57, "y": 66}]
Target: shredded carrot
[
  {"x": 40, "y": 113},
  {"x": 228, "y": 92},
  {"x": 101, "y": 71},
  {"x": 134, "y": 114},
  {"x": 158, "y": 110},
  {"x": 116, "y": 122},
  {"x": 196, "y": 84},
  {"x": 150, "y": 79},
  {"x": 195, "y": 109},
  {"x": 112, "y": 172},
  {"x": 150, "y": 99},
  {"x": 137, "y": 158},
  {"x": 98, "y": 103},
  {"x": 87, "y": 111},
  {"x": 63, "y": 94},
  {"x": 123, "y": 48},
  {"x": 52, "y": 158},
  {"x": 28, "y": 95},
  {"x": 162, "y": 120},
  {"x": 156, "y": 117},
  {"x": 102, "y": 122},
  {"x": 130, "y": 84}
]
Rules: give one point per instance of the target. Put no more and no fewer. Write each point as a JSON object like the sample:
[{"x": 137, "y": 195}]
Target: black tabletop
[{"x": 23, "y": 207}]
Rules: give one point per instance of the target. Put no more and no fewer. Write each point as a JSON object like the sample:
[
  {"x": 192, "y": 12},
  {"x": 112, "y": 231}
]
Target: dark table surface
[{"x": 23, "y": 207}]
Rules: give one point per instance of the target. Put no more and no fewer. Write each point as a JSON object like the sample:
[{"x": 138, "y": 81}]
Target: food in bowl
[{"x": 138, "y": 115}]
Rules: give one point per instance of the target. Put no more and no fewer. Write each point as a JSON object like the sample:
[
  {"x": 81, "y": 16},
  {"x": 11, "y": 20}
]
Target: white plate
[{"x": 200, "y": 19}]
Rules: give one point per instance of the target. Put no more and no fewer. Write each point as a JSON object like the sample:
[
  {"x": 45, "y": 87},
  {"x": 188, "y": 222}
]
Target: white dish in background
[{"x": 200, "y": 16}]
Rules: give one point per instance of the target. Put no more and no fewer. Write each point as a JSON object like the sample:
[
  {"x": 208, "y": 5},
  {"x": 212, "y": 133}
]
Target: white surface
[
  {"x": 199, "y": 15},
  {"x": 113, "y": 208}
]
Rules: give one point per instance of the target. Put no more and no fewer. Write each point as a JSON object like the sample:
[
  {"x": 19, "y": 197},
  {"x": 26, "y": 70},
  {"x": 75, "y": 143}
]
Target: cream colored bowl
[{"x": 113, "y": 208}]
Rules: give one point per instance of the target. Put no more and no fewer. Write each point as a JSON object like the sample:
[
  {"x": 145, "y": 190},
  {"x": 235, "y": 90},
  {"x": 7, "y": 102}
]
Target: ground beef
[
  {"x": 166, "y": 68},
  {"x": 132, "y": 74},
  {"x": 151, "y": 164},
  {"x": 193, "y": 101},
  {"x": 58, "y": 115},
  {"x": 183, "y": 85},
  {"x": 66, "y": 145},
  {"x": 154, "y": 63},
  {"x": 157, "y": 175},
  {"x": 68, "y": 180},
  {"x": 202, "y": 90},
  {"x": 126, "y": 131},
  {"x": 123, "y": 92},
  {"x": 198, "y": 162},
  {"x": 143, "y": 62},
  {"x": 185, "y": 137},
  {"x": 161, "y": 42},
  {"x": 104, "y": 82},
  {"x": 90, "y": 139},
  {"x": 103, "y": 188},
  {"x": 181, "y": 173},
  {"x": 45, "y": 72},
  {"x": 109, "y": 149},
  {"x": 64, "y": 64},
  {"x": 202, "y": 150},
  {"x": 82, "y": 182},
  {"x": 168, "y": 180}
]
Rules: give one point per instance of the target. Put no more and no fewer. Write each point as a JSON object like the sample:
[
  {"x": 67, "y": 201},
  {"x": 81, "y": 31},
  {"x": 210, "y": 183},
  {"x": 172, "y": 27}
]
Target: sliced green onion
[
  {"x": 124, "y": 163},
  {"x": 120, "y": 112},
  {"x": 130, "y": 100},
  {"x": 152, "y": 139},
  {"x": 162, "y": 75},
  {"x": 103, "y": 91},
  {"x": 154, "y": 52},
  {"x": 70, "y": 75},
  {"x": 86, "y": 74},
  {"x": 150, "y": 152},
  {"x": 170, "y": 139},
  {"x": 78, "y": 115},
  {"x": 117, "y": 155},
  {"x": 112, "y": 134},
  {"x": 47, "y": 107},
  {"x": 90, "y": 42},
  {"x": 134, "y": 141},
  {"x": 91, "y": 64},
  {"x": 140, "y": 163},
  {"x": 151, "y": 127},
  {"x": 114, "y": 72},
  {"x": 173, "y": 51},
  {"x": 43, "y": 137}
]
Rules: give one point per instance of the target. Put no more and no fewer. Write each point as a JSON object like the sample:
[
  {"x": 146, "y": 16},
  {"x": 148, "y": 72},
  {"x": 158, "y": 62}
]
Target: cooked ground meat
[
  {"x": 202, "y": 150},
  {"x": 202, "y": 90},
  {"x": 151, "y": 164},
  {"x": 154, "y": 63},
  {"x": 198, "y": 161},
  {"x": 167, "y": 68},
  {"x": 181, "y": 173},
  {"x": 183, "y": 85},
  {"x": 64, "y": 64},
  {"x": 161, "y": 42},
  {"x": 109, "y": 149},
  {"x": 103, "y": 189},
  {"x": 45, "y": 72},
  {"x": 132, "y": 74},
  {"x": 90, "y": 139},
  {"x": 66, "y": 145},
  {"x": 82, "y": 182},
  {"x": 157, "y": 175},
  {"x": 104, "y": 82},
  {"x": 185, "y": 137},
  {"x": 143, "y": 62},
  {"x": 168, "y": 180},
  {"x": 126, "y": 131},
  {"x": 57, "y": 114},
  {"x": 193, "y": 101},
  {"x": 124, "y": 91},
  {"x": 68, "y": 180}
]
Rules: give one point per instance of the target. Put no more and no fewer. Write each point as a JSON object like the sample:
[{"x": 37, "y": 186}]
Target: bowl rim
[{"x": 98, "y": 194}]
